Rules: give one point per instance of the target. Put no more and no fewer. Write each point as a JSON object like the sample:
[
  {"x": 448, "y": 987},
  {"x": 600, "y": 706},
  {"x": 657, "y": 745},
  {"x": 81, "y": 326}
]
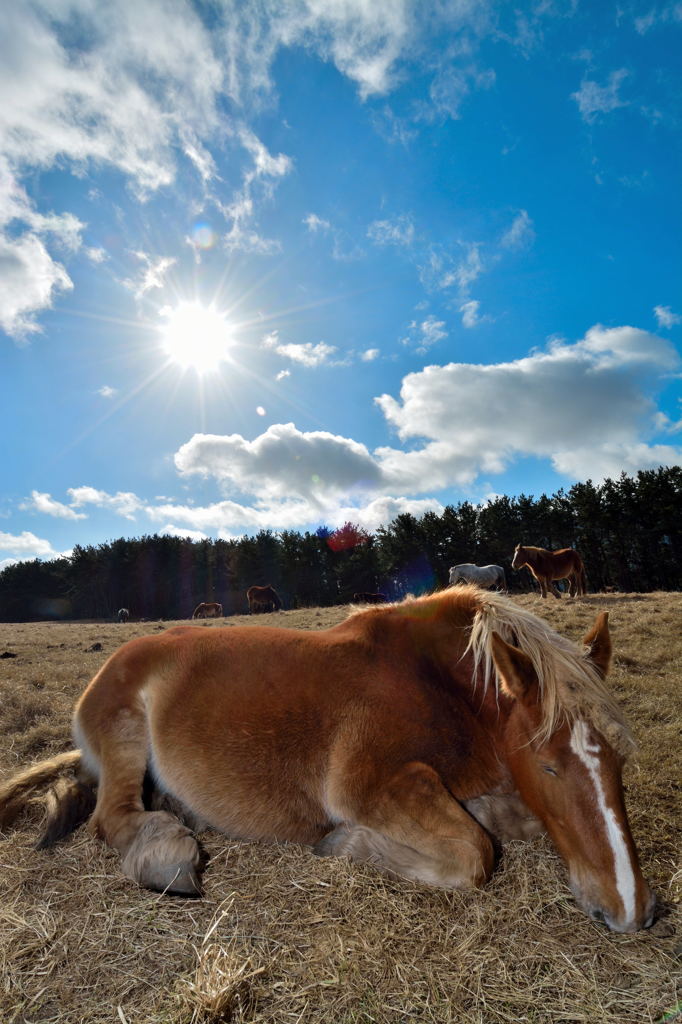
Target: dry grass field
[{"x": 282, "y": 936}]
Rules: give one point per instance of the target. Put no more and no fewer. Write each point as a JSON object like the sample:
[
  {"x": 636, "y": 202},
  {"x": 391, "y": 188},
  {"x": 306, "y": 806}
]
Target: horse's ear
[
  {"x": 515, "y": 670},
  {"x": 598, "y": 644}
]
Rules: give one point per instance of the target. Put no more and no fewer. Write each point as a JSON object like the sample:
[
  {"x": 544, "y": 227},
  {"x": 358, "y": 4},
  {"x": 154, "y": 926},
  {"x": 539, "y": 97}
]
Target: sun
[{"x": 196, "y": 337}]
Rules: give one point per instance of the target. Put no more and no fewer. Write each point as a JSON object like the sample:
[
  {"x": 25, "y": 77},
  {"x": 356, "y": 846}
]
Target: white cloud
[
  {"x": 658, "y": 16},
  {"x": 258, "y": 182},
  {"x": 520, "y": 234},
  {"x": 594, "y": 99},
  {"x": 260, "y": 410},
  {"x": 610, "y": 460},
  {"x": 106, "y": 392},
  {"x": 124, "y": 503},
  {"x": 425, "y": 334},
  {"x": 469, "y": 311},
  {"x": 305, "y": 353},
  {"x": 152, "y": 275},
  {"x": 665, "y": 316},
  {"x": 228, "y": 518},
  {"x": 451, "y": 86},
  {"x": 441, "y": 270},
  {"x": 591, "y": 398},
  {"x": 315, "y": 223},
  {"x": 369, "y": 355},
  {"x": 46, "y": 504},
  {"x": 180, "y": 531},
  {"x": 343, "y": 246},
  {"x": 26, "y": 546},
  {"x": 283, "y": 374},
  {"x": 29, "y": 279},
  {"x": 281, "y": 463},
  {"x": 382, "y": 511},
  {"x": 95, "y": 254},
  {"x": 399, "y": 231}
]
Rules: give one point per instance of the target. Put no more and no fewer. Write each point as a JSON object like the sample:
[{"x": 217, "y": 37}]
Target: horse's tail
[
  {"x": 276, "y": 600},
  {"x": 68, "y": 804}
]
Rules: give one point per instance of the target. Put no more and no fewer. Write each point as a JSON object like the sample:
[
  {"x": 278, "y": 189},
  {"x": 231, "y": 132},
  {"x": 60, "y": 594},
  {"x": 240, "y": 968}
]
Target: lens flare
[{"x": 203, "y": 236}]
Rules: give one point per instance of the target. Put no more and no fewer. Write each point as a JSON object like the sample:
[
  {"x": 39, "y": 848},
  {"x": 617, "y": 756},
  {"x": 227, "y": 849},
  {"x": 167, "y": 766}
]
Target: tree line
[{"x": 628, "y": 531}]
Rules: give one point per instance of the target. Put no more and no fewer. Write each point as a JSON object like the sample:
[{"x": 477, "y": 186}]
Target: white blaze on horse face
[{"x": 625, "y": 876}]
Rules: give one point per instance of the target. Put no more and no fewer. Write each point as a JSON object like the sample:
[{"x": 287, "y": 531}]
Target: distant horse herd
[{"x": 546, "y": 568}]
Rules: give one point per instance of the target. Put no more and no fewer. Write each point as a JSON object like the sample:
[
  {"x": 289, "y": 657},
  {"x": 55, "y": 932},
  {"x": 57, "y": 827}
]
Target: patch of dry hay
[{"x": 282, "y": 936}]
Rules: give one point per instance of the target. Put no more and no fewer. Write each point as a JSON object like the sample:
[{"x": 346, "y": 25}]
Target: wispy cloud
[
  {"x": 344, "y": 248},
  {"x": 423, "y": 335},
  {"x": 658, "y": 16},
  {"x": 469, "y": 311},
  {"x": 520, "y": 234},
  {"x": 665, "y": 316},
  {"x": 306, "y": 353},
  {"x": 152, "y": 275},
  {"x": 399, "y": 231},
  {"x": 594, "y": 99}
]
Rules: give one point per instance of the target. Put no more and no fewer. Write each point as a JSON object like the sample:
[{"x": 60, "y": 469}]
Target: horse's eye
[{"x": 548, "y": 768}]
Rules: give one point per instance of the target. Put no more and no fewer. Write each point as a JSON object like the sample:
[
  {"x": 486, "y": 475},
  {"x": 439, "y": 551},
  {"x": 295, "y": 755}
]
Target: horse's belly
[{"x": 249, "y": 781}]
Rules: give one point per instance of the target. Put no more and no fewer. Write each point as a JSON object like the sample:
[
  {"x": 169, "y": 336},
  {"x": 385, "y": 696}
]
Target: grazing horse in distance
[
  {"x": 482, "y": 575},
  {"x": 547, "y": 566},
  {"x": 369, "y": 599},
  {"x": 263, "y": 599},
  {"x": 122, "y": 615},
  {"x": 409, "y": 736},
  {"x": 208, "y": 610}
]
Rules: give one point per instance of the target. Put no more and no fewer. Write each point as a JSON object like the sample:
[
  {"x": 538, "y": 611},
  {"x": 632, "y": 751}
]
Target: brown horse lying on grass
[
  {"x": 208, "y": 610},
  {"x": 547, "y": 566},
  {"x": 409, "y": 736},
  {"x": 263, "y": 599}
]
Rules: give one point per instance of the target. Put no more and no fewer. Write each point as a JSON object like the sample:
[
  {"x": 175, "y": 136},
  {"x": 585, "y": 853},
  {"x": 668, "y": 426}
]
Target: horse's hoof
[
  {"x": 177, "y": 879},
  {"x": 334, "y": 843},
  {"x": 164, "y": 856}
]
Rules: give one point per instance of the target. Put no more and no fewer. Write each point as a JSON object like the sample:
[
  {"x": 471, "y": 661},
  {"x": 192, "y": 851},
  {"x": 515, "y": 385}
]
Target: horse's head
[
  {"x": 518, "y": 559},
  {"x": 572, "y": 782}
]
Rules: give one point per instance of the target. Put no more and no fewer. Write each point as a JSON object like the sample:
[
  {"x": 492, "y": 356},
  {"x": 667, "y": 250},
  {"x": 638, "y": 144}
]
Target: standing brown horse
[
  {"x": 407, "y": 737},
  {"x": 547, "y": 566},
  {"x": 208, "y": 610},
  {"x": 263, "y": 599}
]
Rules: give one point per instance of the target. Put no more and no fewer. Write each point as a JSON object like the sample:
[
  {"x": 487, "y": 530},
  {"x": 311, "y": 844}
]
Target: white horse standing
[{"x": 483, "y": 575}]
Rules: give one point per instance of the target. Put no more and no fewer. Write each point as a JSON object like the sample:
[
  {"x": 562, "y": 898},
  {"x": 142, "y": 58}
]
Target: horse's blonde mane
[{"x": 570, "y": 685}]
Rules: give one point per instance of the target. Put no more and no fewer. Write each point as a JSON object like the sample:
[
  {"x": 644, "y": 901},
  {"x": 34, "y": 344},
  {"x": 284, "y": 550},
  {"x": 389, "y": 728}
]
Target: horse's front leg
[
  {"x": 157, "y": 850},
  {"x": 413, "y": 828}
]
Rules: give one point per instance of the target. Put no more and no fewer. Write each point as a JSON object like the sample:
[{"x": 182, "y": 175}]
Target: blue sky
[{"x": 284, "y": 264}]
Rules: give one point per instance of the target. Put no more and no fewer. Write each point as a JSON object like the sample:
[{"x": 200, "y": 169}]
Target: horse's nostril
[{"x": 597, "y": 915}]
